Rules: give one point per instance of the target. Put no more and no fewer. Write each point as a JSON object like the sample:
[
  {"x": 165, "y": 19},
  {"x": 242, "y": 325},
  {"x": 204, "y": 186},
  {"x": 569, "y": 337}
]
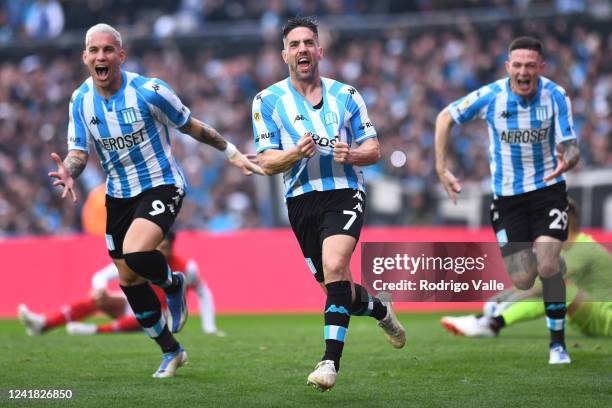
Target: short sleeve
[
  {"x": 361, "y": 126},
  {"x": 265, "y": 130},
  {"x": 168, "y": 108}
]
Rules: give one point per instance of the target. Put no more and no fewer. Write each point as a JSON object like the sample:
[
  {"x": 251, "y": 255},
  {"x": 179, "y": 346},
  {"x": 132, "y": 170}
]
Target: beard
[{"x": 303, "y": 76}]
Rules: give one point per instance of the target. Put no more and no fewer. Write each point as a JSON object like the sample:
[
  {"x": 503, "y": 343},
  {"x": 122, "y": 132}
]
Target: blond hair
[{"x": 103, "y": 28}]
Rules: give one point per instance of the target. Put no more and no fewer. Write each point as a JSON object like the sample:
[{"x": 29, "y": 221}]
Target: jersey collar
[
  {"x": 519, "y": 99},
  {"x": 299, "y": 95},
  {"x": 111, "y": 101}
]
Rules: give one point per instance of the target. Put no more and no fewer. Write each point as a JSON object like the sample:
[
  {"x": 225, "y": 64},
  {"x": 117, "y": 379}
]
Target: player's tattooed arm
[
  {"x": 75, "y": 162},
  {"x": 568, "y": 155},
  {"x": 204, "y": 133},
  {"x": 68, "y": 170},
  {"x": 570, "y": 152}
]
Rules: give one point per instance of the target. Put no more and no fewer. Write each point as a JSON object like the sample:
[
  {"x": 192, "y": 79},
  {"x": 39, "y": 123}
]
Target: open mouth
[
  {"x": 101, "y": 72},
  {"x": 303, "y": 62},
  {"x": 523, "y": 84}
]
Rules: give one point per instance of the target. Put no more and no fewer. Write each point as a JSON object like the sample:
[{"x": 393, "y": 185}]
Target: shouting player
[
  {"x": 316, "y": 131},
  {"x": 532, "y": 143}
]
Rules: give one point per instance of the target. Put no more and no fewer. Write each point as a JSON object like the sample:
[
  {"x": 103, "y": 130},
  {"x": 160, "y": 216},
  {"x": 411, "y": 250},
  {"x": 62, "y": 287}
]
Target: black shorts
[
  {"x": 518, "y": 220},
  {"x": 160, "y": 205},
  {"x": 317, "y": 215}
]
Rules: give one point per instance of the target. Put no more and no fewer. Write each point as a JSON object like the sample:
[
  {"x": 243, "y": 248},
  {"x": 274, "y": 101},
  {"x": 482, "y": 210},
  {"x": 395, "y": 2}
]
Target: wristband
[{"x": 230, "y": 150}]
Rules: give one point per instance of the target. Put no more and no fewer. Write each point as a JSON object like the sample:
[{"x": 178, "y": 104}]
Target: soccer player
[
  {"x": 589, "y": 276},
  {"x": 316, "y": 131},
  {"x": 126, "y": 117},
  {"x": 532, "y": 143},
  {"x": 115, "y": 305}
]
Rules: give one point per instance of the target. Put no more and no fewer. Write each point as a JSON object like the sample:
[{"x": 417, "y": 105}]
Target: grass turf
[{"x": 265, "y": 359}]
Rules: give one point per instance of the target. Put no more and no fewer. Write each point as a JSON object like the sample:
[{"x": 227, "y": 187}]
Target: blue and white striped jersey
[
  {"x": 281, "y": 116},
  {"x": 522, "y": 135},
  {"x": 129, "y": 132}
]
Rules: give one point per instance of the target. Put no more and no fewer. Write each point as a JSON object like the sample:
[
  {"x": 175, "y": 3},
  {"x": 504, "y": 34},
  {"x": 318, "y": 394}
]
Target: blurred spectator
[
  {"x": 405, "y": 76},
  {"x": 44, "y": 19}
]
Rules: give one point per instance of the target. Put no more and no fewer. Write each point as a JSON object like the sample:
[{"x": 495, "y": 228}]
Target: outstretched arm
[
  {"x": 568, "y": 155},
  {"x": 444, "y": 123},
  {"x": 204, "y": 133},
  {"x": 68, "y": 170}
]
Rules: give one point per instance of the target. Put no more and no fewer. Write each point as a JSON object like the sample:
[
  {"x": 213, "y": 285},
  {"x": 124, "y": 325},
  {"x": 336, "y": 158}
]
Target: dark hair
[
  {"x": 170, "y": 236},
  {"x": 309, "y": 22},
  {"x": 526, "y": 43}
]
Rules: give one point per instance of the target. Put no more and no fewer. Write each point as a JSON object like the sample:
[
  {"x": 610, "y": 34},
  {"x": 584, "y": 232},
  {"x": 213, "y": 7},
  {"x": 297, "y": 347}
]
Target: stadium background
[{"x": 408, "y": 58}]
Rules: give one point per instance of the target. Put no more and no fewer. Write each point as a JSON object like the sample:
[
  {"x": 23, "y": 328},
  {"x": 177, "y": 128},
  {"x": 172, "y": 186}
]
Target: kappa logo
[
  {"x": 155, "y": 87},
  {"x": 336, "y": 309},
  {"x": 352, "y": 91},
  {"x": 505, "y": 114},
  {"x": 145, "y": 314},
  {"x": 365, "y": 125},
  {"x": 95, "y": 121},
  {"x": 299, "y": 117}
]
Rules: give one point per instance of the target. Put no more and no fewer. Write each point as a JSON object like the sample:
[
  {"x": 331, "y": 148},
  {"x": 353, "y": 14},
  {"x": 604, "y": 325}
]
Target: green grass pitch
[{"x": 264, "y": 361}]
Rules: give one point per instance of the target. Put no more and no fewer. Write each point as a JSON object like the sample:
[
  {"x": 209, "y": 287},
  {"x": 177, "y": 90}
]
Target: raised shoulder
[
  {"x": 266, "y": 100},
  {"x": 82, "y": 90},
  {"x": 337, "y": 88},
  {"x": 152, "y": 89},
  {"x": 555, "y": 89},
  {"x": 268, "y": 96}
]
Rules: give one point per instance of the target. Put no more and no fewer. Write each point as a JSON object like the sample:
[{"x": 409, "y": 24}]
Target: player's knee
[
  {"x": 335, "y": 267},
  {"x": 548, "y": 269},
  {"x": 522, "y": 280}
]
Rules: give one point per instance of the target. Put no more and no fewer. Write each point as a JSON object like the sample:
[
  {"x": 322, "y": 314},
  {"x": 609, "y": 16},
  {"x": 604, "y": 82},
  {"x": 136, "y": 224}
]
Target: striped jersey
[
  {"x": 129, "y": 132},
  {"x": 522, "y": 135},
  {"x": 281, "y": 116}
]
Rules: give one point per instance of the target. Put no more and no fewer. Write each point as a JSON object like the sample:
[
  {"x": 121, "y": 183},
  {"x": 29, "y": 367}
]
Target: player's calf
[
  {"x": 147, "y": 310},
  {"x": 336, "y": 316},
  {"x": 554, "y": 294}
]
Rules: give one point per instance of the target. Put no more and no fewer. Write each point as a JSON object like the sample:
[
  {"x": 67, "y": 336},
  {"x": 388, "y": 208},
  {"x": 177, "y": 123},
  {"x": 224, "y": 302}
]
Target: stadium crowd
[
  {"x": 405, "y": 77},
  {"x": 45, "y": 19}
]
